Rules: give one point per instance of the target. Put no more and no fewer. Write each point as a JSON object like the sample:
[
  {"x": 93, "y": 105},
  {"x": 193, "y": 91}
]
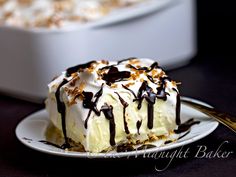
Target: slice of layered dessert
[{"x": 104, "y": 104}]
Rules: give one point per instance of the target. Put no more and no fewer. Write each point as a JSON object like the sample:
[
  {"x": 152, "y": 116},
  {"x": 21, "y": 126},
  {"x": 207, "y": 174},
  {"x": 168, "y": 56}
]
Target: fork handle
[{"x": 224, "y": 118}]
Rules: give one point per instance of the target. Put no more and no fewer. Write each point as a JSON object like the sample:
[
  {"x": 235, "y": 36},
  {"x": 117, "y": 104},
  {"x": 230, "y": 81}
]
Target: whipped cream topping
[
  {"x": 99, "y": 89},
  {"x": 57, "y": 13}
]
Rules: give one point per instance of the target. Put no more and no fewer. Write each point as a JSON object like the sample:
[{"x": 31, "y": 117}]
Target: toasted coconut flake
[
  {"x": 2, "y": 2},
  {"x": 24, "y": 2},
  {"x": 133, "y": 76},
  {"x": 129, "y": 84},
  {"x": 73, "y": 81},
  {"x": 105, "y": 62},
  {"x": 7, "y": 15},
  {"x": 134, "y": 61},
  {"x": 113, "y": 85},
  {"x": 92, "y": 67}
]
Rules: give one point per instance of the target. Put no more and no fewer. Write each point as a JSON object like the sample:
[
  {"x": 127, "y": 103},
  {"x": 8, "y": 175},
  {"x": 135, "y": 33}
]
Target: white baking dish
[{"x": 160, "y": 29}]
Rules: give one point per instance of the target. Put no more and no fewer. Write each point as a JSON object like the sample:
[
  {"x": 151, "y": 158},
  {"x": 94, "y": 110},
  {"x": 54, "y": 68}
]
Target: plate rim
[{"x": 135, "y": 153}]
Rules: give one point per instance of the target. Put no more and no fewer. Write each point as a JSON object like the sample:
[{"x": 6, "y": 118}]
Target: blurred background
[
  {"x": 210, "y": 76},
  {"x": 175, "y": 33},
  {"x": 216, "y": 30}
]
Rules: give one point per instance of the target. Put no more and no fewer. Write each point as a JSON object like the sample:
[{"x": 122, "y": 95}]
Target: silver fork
[{"x": 223, "y": 118}]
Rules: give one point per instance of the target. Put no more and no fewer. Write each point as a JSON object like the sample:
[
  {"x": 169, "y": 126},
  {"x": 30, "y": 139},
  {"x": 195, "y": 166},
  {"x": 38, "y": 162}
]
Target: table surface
[{"x": 212, "y": 82}]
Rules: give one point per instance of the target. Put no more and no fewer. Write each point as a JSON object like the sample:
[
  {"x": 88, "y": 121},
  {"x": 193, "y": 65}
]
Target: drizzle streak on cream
[
  {"x": 108, "y": 112},
  {"x": 125, "y": 105},
  {"x": 61, "y": 108}
]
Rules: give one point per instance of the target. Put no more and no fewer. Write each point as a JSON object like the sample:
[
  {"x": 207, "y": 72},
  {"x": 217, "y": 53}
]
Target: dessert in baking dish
[
  {"x": 104, "y": 104},
  {"x": 56, "y": 13}
]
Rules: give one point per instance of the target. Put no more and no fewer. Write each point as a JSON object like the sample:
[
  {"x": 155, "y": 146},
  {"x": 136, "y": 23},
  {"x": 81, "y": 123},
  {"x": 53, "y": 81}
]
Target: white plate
[{"x": 32, "y": 129}]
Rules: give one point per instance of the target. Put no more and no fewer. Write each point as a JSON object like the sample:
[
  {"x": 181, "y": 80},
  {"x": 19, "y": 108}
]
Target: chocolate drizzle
[
  {"x": 106, "y": 67},
  {"x": 27, "y": 139},
  {"x": 131, "y": 91},
  {"x": 138, "y": 125},
  {"x": 61, "y": 108},
  {"x": 125, "y": 148},
  {"x": 184, "y": 134},
  {"x": 168, "y": 141},
  {"x": 146, "y": 69},
  {"x": 126, "y": 59},
  {"x": 140, "y": 95},
  {"x": 114, "y": 75},
  {"x": 77, "y": 68},
  {"x": 88, "y": 103},
  {"x": 178, "y": 120},
  {"x": 125, "y": 105},
  {"x": 91, "y": 105},
  {"x": 108, "y": 112},
  {"x": 151, "y": 78},
  {"x": 51, "y": 144},
  {"x": 178, "y": 107},
  {"x": 146, "y": 146},
  {"x": 186, "y": 126},
  {"x": 150, "y": 97},
  {"x": 161, "y": 94},
  {"x": 106, "y": 109},
  {"x": 146, "y": 92}
]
